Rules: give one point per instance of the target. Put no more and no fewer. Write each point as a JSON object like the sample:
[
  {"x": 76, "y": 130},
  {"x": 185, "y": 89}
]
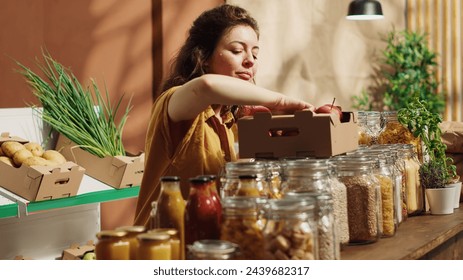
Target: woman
[{"x": 190, "y": 128}]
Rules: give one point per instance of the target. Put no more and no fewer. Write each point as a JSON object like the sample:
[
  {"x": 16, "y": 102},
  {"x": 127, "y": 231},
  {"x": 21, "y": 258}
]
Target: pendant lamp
[{"x": 365, "y": 10}]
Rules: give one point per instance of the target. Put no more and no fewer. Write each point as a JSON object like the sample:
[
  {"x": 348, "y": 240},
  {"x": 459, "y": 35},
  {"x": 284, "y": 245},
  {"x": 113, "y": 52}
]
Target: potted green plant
[
  {"x": 437, "y": 171},
  {"x": 406, "y": 69}
]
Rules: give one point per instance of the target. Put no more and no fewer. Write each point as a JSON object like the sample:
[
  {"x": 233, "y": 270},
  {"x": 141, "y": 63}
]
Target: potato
[
  {"x": 9, "y": 148},
  {"x": 54, "y": 156},
  {"x": 20, "y": 156},
  {"x": 34, "y": 160},
  {"x": 34, "y": 148},
  {"x": 2, "y": 154},
  {"x": 6, "y": 160}
]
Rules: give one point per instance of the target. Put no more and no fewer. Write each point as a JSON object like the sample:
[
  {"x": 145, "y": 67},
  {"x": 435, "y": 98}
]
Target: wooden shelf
[{"x": 420, "y": 237}]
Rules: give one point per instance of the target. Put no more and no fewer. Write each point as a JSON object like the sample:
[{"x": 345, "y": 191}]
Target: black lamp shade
[{"x": 365, "y": 10}]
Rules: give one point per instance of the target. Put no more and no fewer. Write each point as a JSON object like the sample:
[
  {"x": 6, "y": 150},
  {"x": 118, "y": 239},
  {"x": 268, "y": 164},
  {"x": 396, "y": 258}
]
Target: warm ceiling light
[{"x": 365, "y": 10}]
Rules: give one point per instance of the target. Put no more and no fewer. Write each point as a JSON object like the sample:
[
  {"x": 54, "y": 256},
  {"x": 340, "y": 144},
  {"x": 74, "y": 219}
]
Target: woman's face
[{"x": 236, "y": 54}]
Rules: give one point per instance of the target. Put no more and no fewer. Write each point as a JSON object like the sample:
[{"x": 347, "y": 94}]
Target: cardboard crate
[
  {"x": 304, "y": 134},
  {"x": 77, "y": 252},
  {"x": 36, "y": 183},
  {"x": 116, "y": 171}
]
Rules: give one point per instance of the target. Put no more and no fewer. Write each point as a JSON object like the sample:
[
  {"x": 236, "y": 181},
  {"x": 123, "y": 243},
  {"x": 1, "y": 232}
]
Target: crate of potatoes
[{"x": 35, "y": 174}]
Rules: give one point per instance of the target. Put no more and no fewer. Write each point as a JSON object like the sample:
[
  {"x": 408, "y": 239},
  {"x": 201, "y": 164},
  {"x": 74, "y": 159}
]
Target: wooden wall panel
[{"x": 441, "y": 20}]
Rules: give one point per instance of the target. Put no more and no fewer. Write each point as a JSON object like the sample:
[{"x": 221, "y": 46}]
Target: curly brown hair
[{"x": 203, "y": 38}]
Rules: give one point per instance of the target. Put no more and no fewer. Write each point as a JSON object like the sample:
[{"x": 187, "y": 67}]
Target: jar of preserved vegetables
[
  {"x": 363, "y": 197},
  {"x": 212, "y": 250},
  {"x": 112, "y": 245},
  {"x": 290, "y": 231},
  {"x": 202, "y": 212},
  {"x": 242, "y": 226},
  {"x": 154, "y": 246},
  {"x": 132, "y": 233}
]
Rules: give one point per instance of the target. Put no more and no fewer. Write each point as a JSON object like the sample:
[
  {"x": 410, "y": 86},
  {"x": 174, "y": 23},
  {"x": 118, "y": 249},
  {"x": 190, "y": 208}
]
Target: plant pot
[
  {"x": 457, "y": 192},
  {"x": 441, "y": 201}
]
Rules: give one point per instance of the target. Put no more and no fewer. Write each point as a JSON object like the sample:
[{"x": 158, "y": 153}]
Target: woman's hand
[{"x": 249, "y": 110}]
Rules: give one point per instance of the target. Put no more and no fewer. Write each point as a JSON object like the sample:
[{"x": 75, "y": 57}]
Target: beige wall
[{"x": 309, "y": 49}]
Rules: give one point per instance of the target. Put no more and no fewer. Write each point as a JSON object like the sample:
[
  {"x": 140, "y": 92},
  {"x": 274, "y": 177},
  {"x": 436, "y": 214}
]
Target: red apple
[{"x": 328, "y": 109}]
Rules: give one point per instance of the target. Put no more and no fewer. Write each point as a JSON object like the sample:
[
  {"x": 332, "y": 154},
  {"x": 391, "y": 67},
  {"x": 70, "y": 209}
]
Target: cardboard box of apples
[
  {"x": 326, "y": 132},
  {"x": 36, "y": 174}
]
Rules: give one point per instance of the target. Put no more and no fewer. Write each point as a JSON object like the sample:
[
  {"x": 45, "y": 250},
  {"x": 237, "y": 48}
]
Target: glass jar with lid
[
  {"x": 212, "y": 249},
  {"x": 290, "y": 231},
  {"x": 273, "y": 176},
  {"x": 395, "y": 133},
  {"x": 363, "y": 197},
  {"x": 154, "y": 246},
  {"x": 232, "y": 170},
  {"x": 339, "y": 193},
  {"x": 175, "y": 243},
  {"x": 328, "y": 244},
  {"x": 414, "y": 192},
  {"x": 112, "y": 245},
  {"x": 309, "y": 175},
  {"x": 132, "y": 233},
  {"x": 171, "y": 207},
  {"x": 370, "y": 126},
  {"x": 203, "y": 214},
  {"x": 384, "y": 175},
  {"x": 364, "y": 136},
  {"x": 242, "y": 225}
]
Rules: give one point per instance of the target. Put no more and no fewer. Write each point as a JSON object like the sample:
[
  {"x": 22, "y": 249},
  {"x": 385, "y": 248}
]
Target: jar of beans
[{"x": 290, "y": 231}]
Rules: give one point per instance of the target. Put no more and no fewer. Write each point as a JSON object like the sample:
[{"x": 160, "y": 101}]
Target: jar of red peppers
[{"x": 203, "y": 212}]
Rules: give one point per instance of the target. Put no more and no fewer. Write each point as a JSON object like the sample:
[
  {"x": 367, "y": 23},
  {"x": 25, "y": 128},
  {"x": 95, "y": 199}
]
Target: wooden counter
[{"x": 438, "y": 237}]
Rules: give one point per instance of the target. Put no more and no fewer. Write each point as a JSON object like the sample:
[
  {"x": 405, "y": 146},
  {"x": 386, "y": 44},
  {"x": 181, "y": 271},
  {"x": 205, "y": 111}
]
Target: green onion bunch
[{"x": 85, "y": 118}]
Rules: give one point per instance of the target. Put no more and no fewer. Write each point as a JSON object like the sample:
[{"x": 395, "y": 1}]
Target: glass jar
[
  {"x": 273, "y": 177},
  {"x": 212, "y": 250},
  {"x": 384, "y": 175},
  {"x": 370, "y": 127},
  {"x": 154, "y": 246},
  {"x": 175, "y": 243},
  {"x": 242, "y": 225},
  {"x": 308, "y": 175},
  {"x": 290, "y": 231},
  {"x": 248, "y": 186},
  {"x": 414, "y": 192},
  {"x": 364, "y": 136},
  {"x": 363, "y": 197},
  {"x": 395, "y": 133},
  {"x": 112, "y": 245},
  {"x": 203, "y": 215},
  {"x": 339, "y": 193},
  {"x": 230, "y": 178},
  {"x": 171, "y": 208},
  {"x": 132, "y": 232},
  {"x": 328, "y": 245}
]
